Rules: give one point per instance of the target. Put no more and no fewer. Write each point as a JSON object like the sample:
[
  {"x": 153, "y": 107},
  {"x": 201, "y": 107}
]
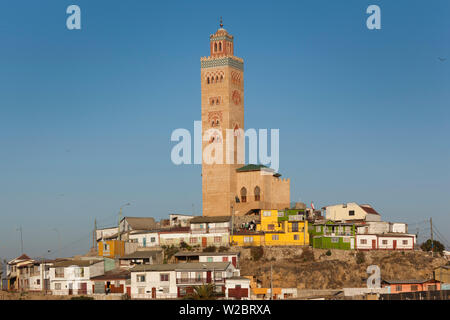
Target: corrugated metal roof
[{"x": 210, "y": 219}]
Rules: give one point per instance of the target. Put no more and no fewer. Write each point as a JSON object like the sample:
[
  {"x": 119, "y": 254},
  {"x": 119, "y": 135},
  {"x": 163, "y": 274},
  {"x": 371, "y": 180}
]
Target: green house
[
  {"x": 332, "y": 235},
  {"x": 291, "y": 215}
]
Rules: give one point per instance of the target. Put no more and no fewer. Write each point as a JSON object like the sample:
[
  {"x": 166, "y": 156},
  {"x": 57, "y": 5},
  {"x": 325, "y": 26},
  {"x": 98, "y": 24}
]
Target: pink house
[{"x": 402, "y": 286}]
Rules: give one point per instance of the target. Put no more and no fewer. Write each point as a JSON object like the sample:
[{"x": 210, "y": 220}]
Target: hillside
[{"x": 313, "y": 269}]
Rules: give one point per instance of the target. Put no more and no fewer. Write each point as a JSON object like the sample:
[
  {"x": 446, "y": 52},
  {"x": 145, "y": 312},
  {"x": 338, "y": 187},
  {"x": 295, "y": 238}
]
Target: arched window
[
  {"x": 217, "y": 101},
  {"x": 208, "y": 80},
  {"x": 243, "y": 194},
  {"x": 217, "y": 78},
  {"x": 221, "y": 78},
  {"x": 215, "y": 47},
  {"x": 217, "y": 122},
  {"x": 257, "y": 194},
  {"x": 220, "y": 46}
]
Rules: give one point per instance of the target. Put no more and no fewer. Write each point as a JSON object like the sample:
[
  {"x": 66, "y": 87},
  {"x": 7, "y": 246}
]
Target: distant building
[
  {"x": 141, "y": 257},
  {"x": 12, "y": 273},
  {"x": 180, "y": 220},
  {"x": 442, "y": 274}
]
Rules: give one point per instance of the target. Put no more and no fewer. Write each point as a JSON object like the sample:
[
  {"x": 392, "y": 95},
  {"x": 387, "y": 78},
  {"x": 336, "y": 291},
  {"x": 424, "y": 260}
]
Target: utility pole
[
  {"x": 94, "y": 236},
  {"x": 432, "y": 242},
  {"x": 120, "y": 218},
  {"x": 271, "y": 283}
]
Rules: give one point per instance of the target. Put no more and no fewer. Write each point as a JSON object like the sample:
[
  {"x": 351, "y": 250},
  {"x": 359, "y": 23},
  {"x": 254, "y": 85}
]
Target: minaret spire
[{"x": 221, "y": 22}]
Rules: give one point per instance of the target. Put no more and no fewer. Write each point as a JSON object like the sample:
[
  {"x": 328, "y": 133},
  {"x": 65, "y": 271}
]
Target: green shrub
[
  {"x": 307, "y": 255},
  {"x": 360, "y": 257},
  {"x": 223, "y": 249},
  {"x": 210, "y": 249}
]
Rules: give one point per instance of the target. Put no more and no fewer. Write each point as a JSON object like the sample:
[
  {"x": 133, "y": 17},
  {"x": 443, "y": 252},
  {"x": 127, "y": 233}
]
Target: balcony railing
[{"x": 199, "y": 280}]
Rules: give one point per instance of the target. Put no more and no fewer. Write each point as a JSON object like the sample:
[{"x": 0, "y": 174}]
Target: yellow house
[
  {"x": 275, "y": 229},
  {"x": 111, "y": 248},
  {"x": 244, "y": 239}
]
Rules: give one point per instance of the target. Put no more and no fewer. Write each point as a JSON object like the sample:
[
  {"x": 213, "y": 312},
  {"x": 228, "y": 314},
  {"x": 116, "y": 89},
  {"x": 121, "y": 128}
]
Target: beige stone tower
[{"x": 222, "y": 83}]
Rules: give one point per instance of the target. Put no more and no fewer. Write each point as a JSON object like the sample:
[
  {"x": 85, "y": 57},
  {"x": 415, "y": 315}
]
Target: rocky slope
[{"x": 314, "y": 269}]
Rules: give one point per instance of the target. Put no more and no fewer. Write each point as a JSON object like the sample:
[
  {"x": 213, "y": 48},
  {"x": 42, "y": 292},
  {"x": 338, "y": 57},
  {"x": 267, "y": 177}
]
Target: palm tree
[{"x": 203, "y": 292}]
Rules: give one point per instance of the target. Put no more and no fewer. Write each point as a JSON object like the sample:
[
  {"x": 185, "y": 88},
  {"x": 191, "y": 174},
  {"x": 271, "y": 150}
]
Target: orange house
[
  {"x": 111, "y": 248},
  {"x": 402, "y": 286}
]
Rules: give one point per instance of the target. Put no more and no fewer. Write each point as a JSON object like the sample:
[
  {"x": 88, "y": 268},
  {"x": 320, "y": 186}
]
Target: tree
[
  {"x": 203, "y": 292},
  {"x": 437, "y": 246}
]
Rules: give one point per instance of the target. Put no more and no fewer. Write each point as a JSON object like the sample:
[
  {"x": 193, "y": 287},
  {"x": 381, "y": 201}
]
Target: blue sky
[{"x": 86, "y": 115}]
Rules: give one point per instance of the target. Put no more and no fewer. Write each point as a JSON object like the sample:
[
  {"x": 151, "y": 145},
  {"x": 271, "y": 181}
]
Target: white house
[
  {"x": 145, "y": 238},
  {"x": 387, "y": 241},
  {"x": 106, "y": 233},
  {"x": 73, "y": 276},
  {"x": 351, "y": 211},
  {"x": 380, "y": 227},
  {"x": 180, "y": 220}
]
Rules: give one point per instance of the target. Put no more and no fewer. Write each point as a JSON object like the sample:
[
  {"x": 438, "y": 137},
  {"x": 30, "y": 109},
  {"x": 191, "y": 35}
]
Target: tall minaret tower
[{"x": 222, "y": 83}]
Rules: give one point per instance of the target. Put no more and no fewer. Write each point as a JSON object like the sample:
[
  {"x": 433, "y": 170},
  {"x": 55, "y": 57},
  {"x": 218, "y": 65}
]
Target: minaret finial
[{"x": 221, "y": 22}]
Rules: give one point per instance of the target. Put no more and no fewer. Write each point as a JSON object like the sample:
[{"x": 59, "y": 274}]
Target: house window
[
  {"x": 79, "y": 272},
  {"x": 414, "y": 287},
  {"x": 105, "y": 247},
  {"x": 257, "y": 193},
  {"x": 385, "y": 242},
  {"x": 334, "y": 240},
  {"x": 38, "y": 282},
  {"x": 164, "y": 277},
  {"x": 152, "y": 239},
  {"x": 57, "y": 286},
  {"x": 248, "y": 239},
  {"x": 296, "y": 237},
  {"x": 295, "y": 227},
  {"x": 59, "y": 272},
  {"x": 351, "y": 212},
  {"x": 193, "y": 240},
  {"x": 218, "y": 275},
  {"x": 318, "y": 229},
  {"x": 405, "y": 242},
  {"x": 243, "y": 194},
  {"x": 363, "y": 241},
  {"x": 267, "y": 213},
  {"x": 182, "y": 291},
  {"x": 275, "y": 237},
  {"x": 217, "y": 239},
  {"x": 141, "y": 290},
  {"x": 198, "y": 276},
  {"x": 398, "y": 288},
  {"x": 270, "y": 227},
  {"x": 209, "y": 259},
  {"x": 140, "y": 278}
]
